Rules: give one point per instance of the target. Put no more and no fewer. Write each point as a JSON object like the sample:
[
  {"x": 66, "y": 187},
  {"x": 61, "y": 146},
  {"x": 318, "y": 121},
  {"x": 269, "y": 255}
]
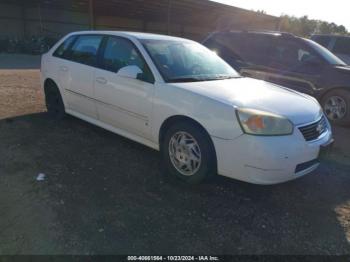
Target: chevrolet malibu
[{"x": 178, "y": 97}]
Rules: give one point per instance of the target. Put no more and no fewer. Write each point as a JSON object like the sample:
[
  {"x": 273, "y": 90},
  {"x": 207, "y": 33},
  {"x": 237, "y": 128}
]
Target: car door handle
[
  {"x": 64, "y": 68},
  {"x": 101, "y": 80}
]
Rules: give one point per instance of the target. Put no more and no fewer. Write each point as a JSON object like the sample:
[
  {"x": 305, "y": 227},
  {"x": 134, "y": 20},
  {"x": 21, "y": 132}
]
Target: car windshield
[
  {"x": 325, "y": 53},
  {"x": 187, "y": 61}
]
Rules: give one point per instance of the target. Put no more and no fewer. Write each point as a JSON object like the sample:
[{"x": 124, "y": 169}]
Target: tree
[{"x": 305, "y": 27}]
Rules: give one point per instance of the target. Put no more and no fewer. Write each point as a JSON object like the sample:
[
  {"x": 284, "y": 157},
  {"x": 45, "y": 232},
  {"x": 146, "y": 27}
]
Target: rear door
[
  {"x": 248, "y": 53},
  {"x": 256, "y": 51},
  {"x": 79, "y": 74},
  {"x": 60, "y": 67}
]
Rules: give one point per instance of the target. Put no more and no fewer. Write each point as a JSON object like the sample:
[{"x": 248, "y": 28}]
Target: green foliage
[{"x": 305, "y": 27}]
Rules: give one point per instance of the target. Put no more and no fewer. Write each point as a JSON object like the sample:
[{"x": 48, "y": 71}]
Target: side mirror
[{"x": 131, "y": 71}]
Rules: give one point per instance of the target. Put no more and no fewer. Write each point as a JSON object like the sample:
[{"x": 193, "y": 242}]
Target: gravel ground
[{"x": 104, "y": 194}]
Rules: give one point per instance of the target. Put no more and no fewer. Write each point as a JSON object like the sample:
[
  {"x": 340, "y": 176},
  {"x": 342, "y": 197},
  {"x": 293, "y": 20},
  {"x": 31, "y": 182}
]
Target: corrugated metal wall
[{"x": 188, "y": 18}]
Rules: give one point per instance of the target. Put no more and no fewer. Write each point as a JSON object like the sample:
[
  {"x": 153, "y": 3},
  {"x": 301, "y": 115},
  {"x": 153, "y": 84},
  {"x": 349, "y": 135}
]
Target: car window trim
[{"x": 102, "y": 49}]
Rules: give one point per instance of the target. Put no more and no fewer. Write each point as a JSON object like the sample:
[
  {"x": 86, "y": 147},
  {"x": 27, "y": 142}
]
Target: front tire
[
  {"x": 336, "y": 105},
  {"x": 54, "y": 102},
  {"x": 188, "y": 153}
]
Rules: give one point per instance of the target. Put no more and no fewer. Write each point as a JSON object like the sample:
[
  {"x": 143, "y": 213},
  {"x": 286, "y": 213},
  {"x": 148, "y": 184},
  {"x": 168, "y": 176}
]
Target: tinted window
[
  {"x": 85, "y": 49},
  {"x": 328, "y": 56},
  {"x": 61, "y": 50},
  {"x": 257, "y": 48},
  {"x": 290, "y": 55},
  {"x": 119, "y": 53},
  {"x": 322, "y": 40},
  {"x": 237, "y": 48},
  {"x": 342, "y": 46},
  {"x": 227, "y": 46}
]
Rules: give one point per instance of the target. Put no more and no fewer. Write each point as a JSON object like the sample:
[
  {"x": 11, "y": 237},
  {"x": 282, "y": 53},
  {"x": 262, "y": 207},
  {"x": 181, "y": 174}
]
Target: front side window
[
  {"x": 289, "y": 55},
  {"x": 328, "y": 56},
  {"x": 85, "y": 49},
  {"x": 186, "y": 61},
  {"x": 119, "y": 53}
]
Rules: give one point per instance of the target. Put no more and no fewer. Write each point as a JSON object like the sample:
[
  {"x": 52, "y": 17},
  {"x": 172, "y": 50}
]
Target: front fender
[{"x": 216, "y": 117}]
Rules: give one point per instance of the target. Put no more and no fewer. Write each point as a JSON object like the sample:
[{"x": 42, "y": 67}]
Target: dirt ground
[{"x": 104, "y": 194}]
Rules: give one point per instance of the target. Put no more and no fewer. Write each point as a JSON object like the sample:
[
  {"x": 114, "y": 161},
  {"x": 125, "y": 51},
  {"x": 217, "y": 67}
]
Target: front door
[
  {"x": 123, "y": 102},
  {"x": 296, "y": 66}
]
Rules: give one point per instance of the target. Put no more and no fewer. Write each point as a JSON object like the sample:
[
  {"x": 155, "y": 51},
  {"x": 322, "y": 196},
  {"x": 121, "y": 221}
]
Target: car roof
[
  {"x": 330, "y": 35},
  {"x": 136, "y": 35},
  {"x": 257, "y": 32}
]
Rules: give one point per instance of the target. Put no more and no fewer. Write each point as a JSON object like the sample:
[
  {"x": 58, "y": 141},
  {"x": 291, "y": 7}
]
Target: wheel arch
[
  {"x": 49, "y": 82},
  {"x": 167, "y": 123},
  {"x": 326, "y": 92}
]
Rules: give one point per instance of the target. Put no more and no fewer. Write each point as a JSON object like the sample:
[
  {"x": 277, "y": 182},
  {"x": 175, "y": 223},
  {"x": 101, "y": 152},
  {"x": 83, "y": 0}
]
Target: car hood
[{"x": 256, "y": 94}]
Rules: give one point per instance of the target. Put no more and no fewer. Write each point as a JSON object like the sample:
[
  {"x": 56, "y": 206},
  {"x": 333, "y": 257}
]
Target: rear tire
[
  {"x": 54, "y": 102},
  {"x": 187, "y": 153},
  {"x": 336, "y": 105}
]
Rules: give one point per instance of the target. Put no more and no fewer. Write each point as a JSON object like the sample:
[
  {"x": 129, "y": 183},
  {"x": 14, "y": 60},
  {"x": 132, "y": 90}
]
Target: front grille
[{"x": 314, "y": 130}]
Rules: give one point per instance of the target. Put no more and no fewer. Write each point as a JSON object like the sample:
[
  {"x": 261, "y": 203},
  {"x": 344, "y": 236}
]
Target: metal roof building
[{"x": 193, "y": 19}]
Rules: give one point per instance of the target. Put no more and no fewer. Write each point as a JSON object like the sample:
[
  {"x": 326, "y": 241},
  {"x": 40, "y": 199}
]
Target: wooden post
[
  {"x": 169, "y": 16},
  {"x": 91, "y": 14},
  {"x": 144, "y": 25},
  {"x": 40, "y": 20},
  {"x": 23, "y": 20}
]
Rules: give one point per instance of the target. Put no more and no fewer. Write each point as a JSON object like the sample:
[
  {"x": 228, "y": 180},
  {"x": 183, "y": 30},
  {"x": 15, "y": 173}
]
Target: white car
[{"x": 176, "y": 96}]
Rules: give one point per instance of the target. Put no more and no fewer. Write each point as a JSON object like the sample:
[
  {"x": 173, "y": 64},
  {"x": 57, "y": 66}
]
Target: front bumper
[{"x": 269, "y": 160}]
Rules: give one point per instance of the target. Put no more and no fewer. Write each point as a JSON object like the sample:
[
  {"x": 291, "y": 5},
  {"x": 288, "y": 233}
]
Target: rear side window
[
  {"x": 242, "y": 48},
  {"x": 290, "y": 55},
  {"x": 342, "y": 46},
  {"x": 322, "y": 40},
  {"x": 228, "y": 46},
  {"x": 62, "y": 49},
  {"x": 85, "y": 49},
  {"x": 257, "y": 48}
]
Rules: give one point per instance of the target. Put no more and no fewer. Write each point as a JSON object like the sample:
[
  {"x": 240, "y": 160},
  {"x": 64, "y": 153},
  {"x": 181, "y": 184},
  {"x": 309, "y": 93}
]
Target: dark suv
[{"x": 289, "y": 61}]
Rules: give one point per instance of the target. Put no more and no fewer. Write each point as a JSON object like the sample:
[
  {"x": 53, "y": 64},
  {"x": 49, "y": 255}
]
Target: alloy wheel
[
  {"x": 185, "y": 153},
  {"x": 335, "y": 107}
]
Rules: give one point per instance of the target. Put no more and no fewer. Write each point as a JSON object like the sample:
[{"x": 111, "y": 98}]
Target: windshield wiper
[
  {"x": 224, "y": 77},
  {"x": 198, "y": 79},
  {"x": 184, "y": 79}
]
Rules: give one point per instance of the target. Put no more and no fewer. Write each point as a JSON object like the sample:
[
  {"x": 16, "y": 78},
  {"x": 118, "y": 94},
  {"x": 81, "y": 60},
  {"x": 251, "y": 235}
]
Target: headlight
[{"x": 256, "y": 122}]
